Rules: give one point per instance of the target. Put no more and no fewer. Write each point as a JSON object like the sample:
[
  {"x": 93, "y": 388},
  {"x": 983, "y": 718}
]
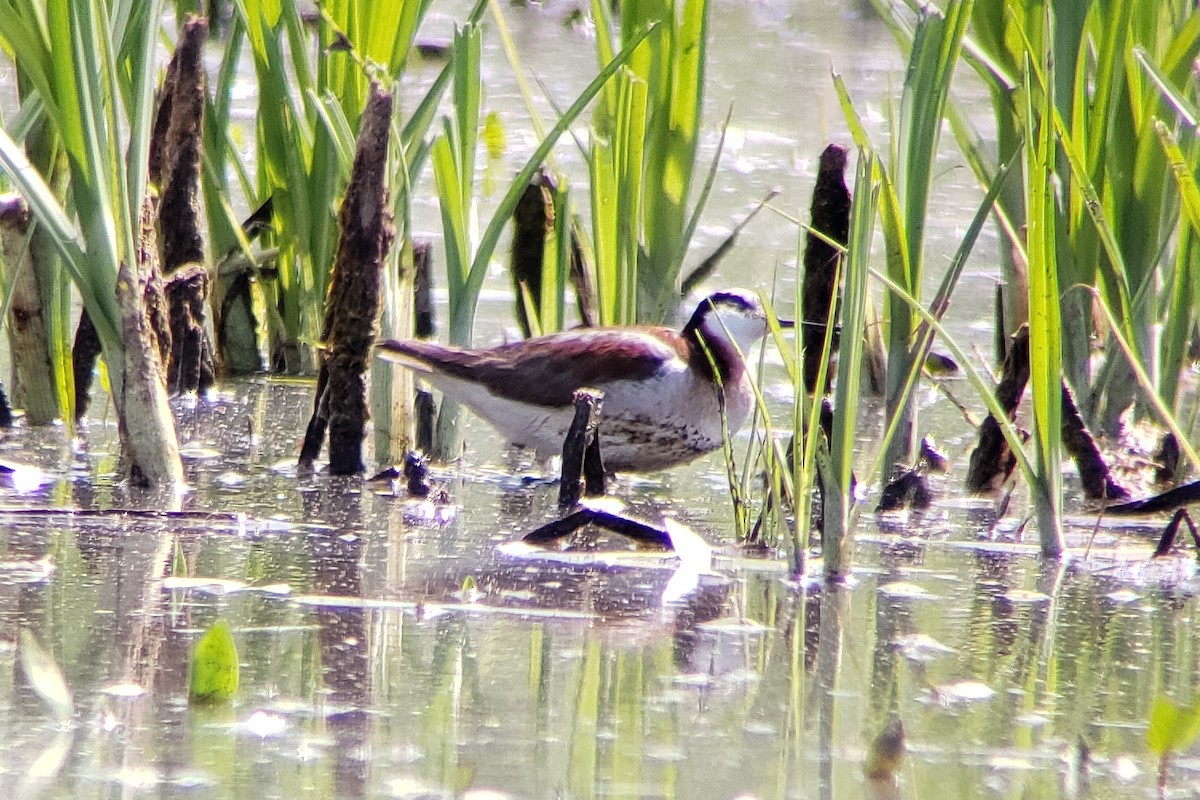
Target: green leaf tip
[
  {"x": 1172, "y": 727},
  {"x": 214, "y": 667}
]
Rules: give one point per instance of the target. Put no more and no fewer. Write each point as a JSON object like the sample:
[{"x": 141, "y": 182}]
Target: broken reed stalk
[
  {"x": 153, "y": 455},
  {"x": 354, "y": 303},
  {"x": 84, "y": 354},
  {"x": 33, "y": 386},
  {"x": 830, "y": 215},
  {"x": 991, "y": 461},
  {"x": 581, "y": 449},
  {"x": 642, "y": 533},
  {"x": 1098, "y": 483},
  {"x": 176, "y": 156},
  {"x": 424, "y": 327},
  {"x": 236, "y": 324},
  {"x": 533, "y": 218}
]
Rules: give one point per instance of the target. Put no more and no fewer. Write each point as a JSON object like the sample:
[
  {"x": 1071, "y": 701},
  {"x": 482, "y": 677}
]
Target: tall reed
[
  {"x": 1118, "y": 212},
  {"x": 643, "y": 156},
  {"x": 94, "y": 69},
  {"x": 468, "y": 256},
  {"x": 310, "y": 96}
]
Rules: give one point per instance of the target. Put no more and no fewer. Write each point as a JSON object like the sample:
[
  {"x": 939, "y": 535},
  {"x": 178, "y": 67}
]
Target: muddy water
[{"x": 368, "y": 670}]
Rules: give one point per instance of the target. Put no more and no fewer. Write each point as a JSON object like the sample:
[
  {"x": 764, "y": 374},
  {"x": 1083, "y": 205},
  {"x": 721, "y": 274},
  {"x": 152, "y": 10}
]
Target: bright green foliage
[
  {"x": 1117, "y": 210},
  {"x": 837, "y": 463},
  {"x": 77, "y": 87},
  {"x": 308, "y": 114},
  {"x": 1045, "y": 326},
  {"x": 643, "y": 153},
  {"x": 454, "y": 172},
  {"x": 93, "y": 68},
  {"x": 213, "y": 675},
  {"x": 44, "y": 150},
  {"x": 1090, "y": 91},
  {"x": 934, "y": 47},
  {"x": 1172, "y": 728}
]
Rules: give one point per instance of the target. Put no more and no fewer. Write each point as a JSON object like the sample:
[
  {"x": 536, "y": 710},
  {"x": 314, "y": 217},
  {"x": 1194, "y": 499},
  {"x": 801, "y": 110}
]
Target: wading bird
[{"x": 664, "y": 390}]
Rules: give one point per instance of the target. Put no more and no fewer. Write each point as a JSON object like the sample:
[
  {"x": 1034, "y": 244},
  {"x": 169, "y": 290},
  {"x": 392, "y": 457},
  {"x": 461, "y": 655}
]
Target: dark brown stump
[
  {"x": 6, "y": 415},
  {"x": 237, "y": 326},
  {"x": 176, "y": 157},
  {"x": 830, "y": 216},
  {"x": 1098, "y": 483},
  {"x": 991, "y": 461},
  {"x": 423, "y": 328},
  {"x": 579, "y": 442},
  {"x": 352, "y": 310},
  {"x": 423, "y": 321},
  {"x": 84, "y": 354},
  {"x": 908, "y": 490},
  {"x": 190, "y": 363},
  {"x": 533, "y": 218},
  {"x": 1167, "y": 459}
]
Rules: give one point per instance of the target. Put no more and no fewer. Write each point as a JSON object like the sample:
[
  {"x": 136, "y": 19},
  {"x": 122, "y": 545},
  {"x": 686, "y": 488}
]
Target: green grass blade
[{"x": 491, "y": 235}]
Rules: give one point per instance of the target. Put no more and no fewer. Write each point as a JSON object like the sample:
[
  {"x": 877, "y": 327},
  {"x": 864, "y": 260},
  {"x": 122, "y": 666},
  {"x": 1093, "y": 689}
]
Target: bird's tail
[{"x": 409, "y": 354}]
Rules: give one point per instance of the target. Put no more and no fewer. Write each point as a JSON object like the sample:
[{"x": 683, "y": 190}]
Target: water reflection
[{"x": 344, "y": 641}]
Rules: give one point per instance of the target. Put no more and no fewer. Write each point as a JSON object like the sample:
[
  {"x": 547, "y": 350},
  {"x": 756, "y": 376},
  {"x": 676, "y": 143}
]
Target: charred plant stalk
[
  {"x": 6, "y": 415},
  {"x": 33, "y": 386},
  {"x": 830, "y": 216},
  {"x": 580, "y": 438},
  {"x": 532, "y": 219},
  {"x": 353, "y": 306},
  {"x": 1098, "y": 483},
  {"x": 424, "y": 323},
  {"x": 423, "y": 328},
  {"x": 1167, "y": 458},
  {"x": 175, "y": 162},
  {"x": 190, "y": 358},
  {"x": 235, "y": 322},
  {"x": 991, "y": 461},
  {"x": 236, "y": 325},
  {"x": 84, "y": 354}
]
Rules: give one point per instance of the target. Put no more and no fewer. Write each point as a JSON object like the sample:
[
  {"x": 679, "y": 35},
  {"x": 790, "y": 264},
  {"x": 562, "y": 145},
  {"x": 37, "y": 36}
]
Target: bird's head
[{"x": 733, "y": 315}]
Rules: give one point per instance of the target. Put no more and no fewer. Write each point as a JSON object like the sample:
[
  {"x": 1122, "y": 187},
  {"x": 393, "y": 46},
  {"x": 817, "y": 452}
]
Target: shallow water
[{"x": 368, "y": 670}]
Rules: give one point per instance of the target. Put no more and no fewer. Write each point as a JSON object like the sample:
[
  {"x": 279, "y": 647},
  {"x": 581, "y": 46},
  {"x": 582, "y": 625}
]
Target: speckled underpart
[{"x": 662, "y": 395}]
